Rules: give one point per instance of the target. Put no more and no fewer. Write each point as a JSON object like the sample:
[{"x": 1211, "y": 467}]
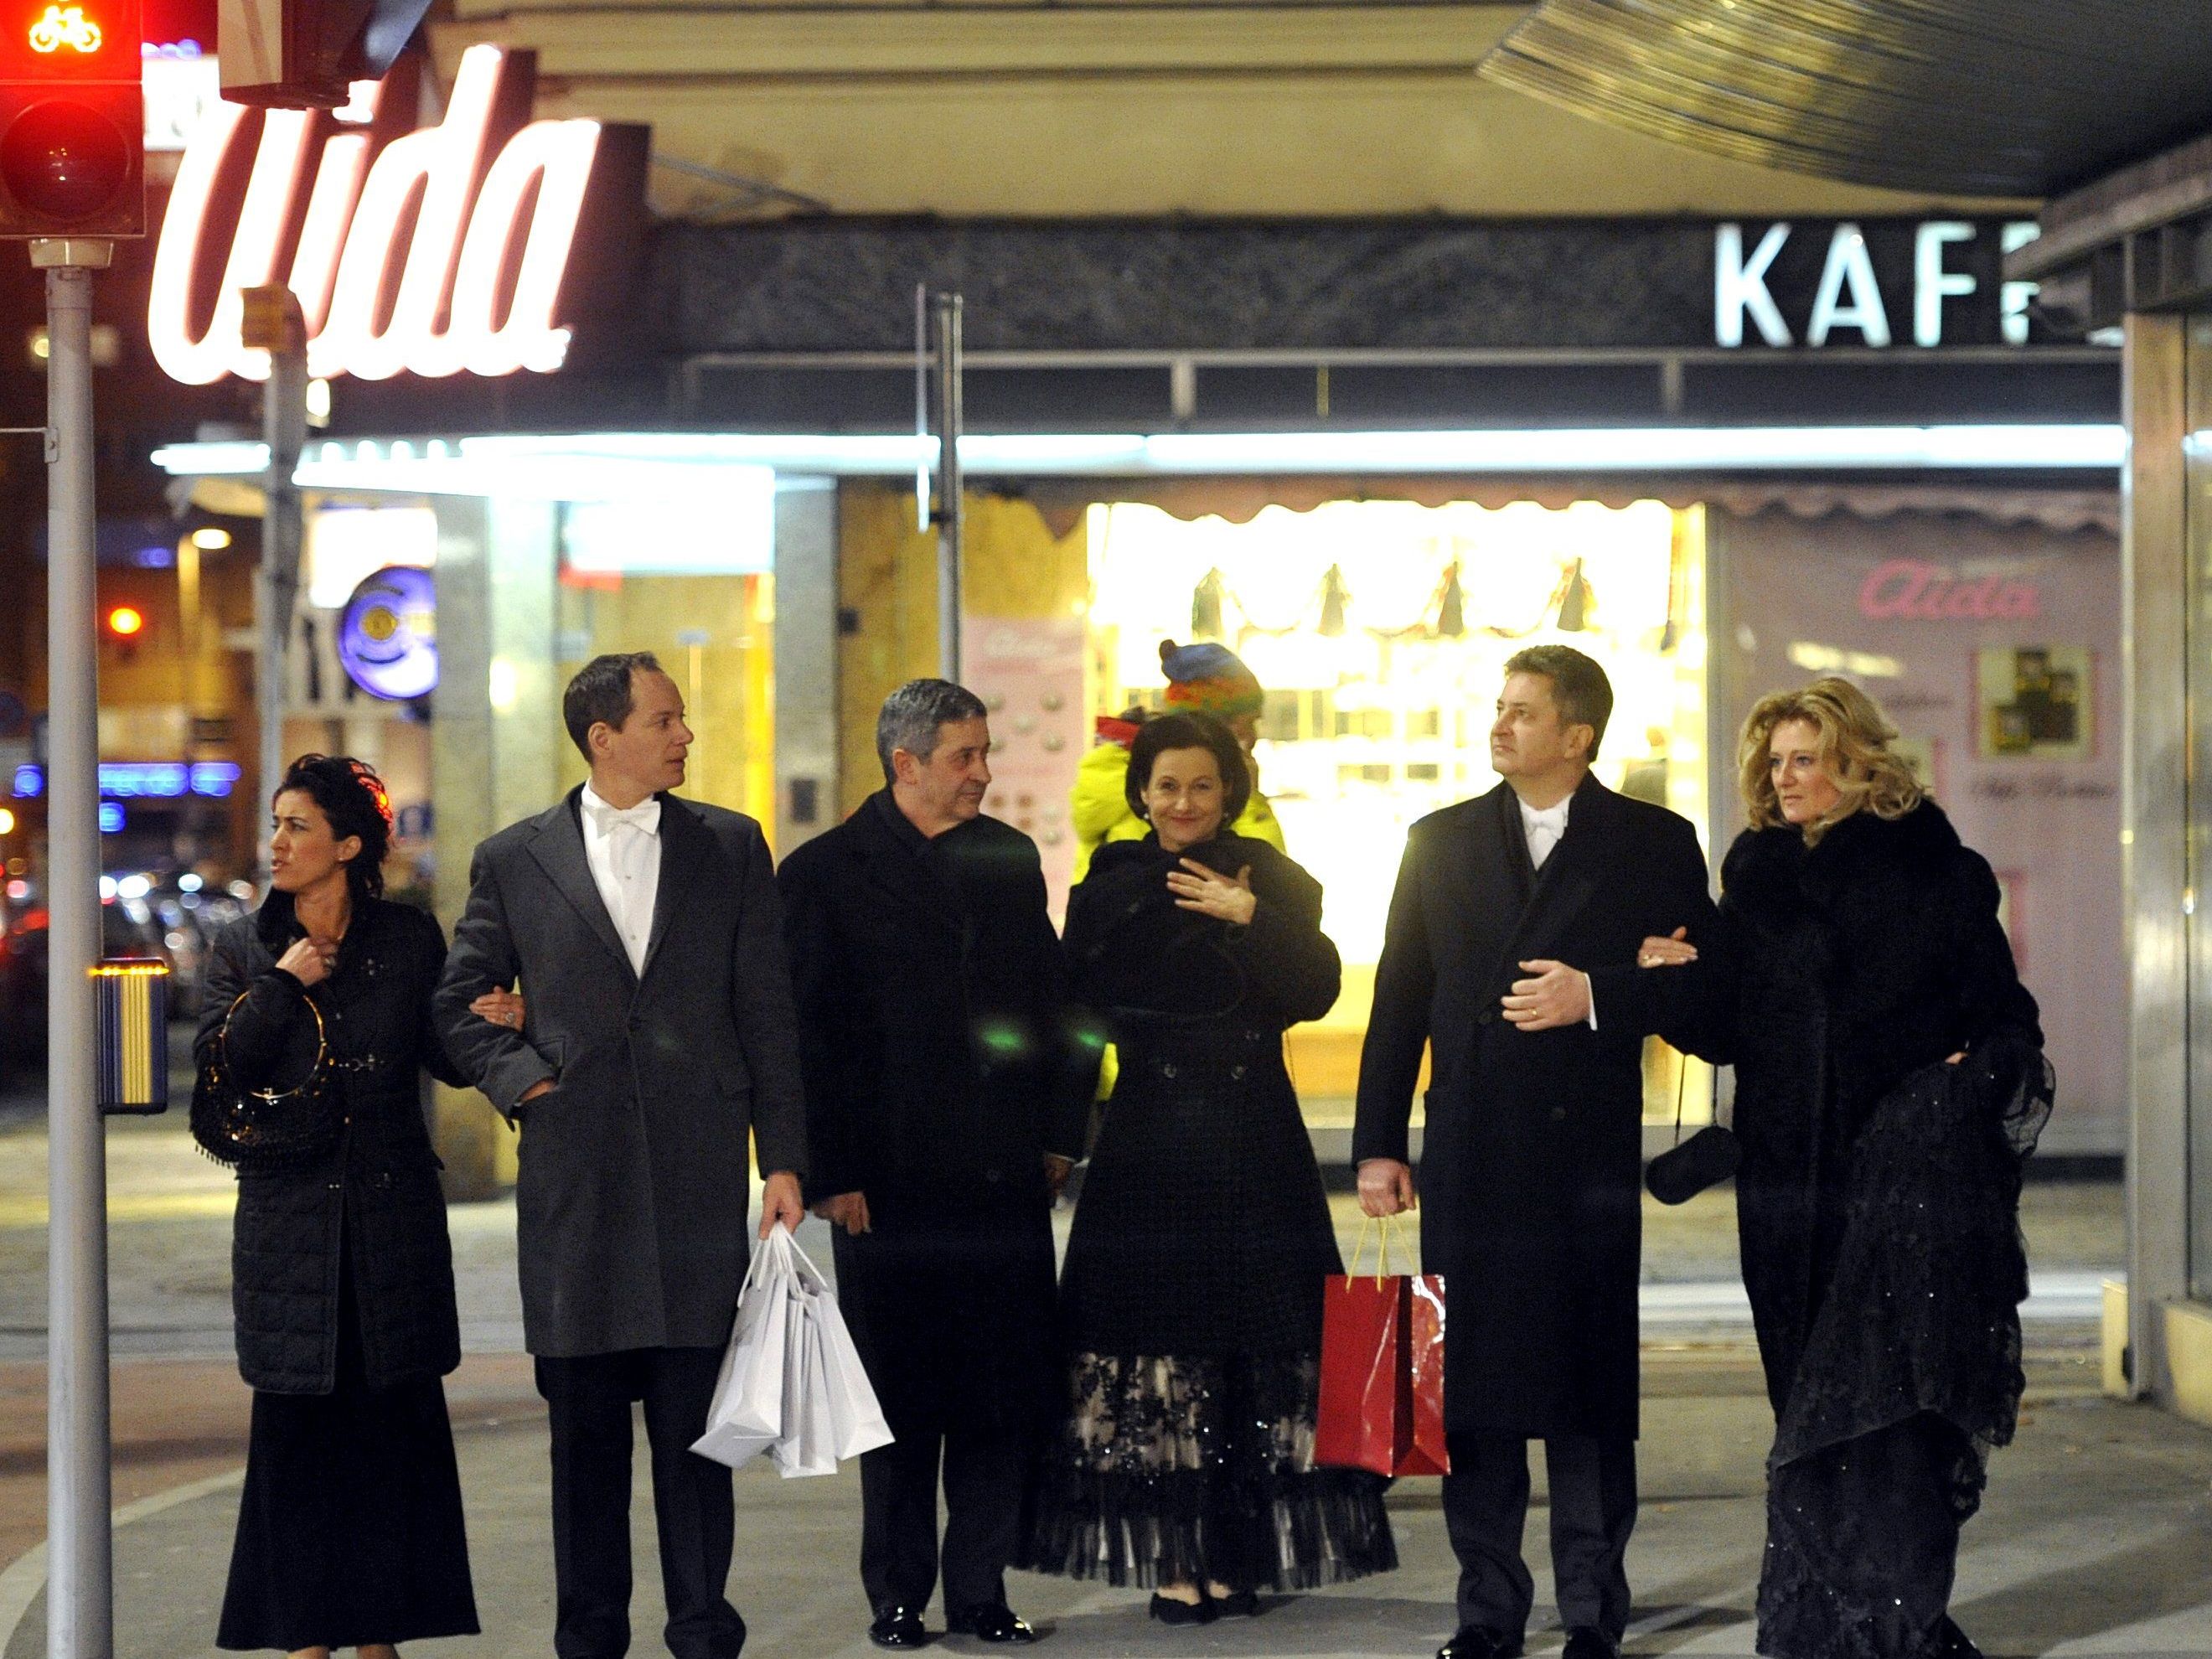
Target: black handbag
[
  {"x": 1688, "y": 1167},
  {"x": 259, "y": 1130}
]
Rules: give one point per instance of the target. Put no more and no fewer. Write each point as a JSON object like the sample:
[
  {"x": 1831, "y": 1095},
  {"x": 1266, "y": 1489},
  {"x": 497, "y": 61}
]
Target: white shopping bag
[
  {"x": 807, "y": 1445},
  {"x": 855, "y": 1417},
  {"x": 747, "y": 1414},
  {"x": 856, "y": 1421}
]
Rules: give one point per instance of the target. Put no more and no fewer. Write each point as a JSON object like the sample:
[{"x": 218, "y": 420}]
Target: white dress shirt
[
  {"x": 1544, "y": 831},
  {"x": 623, "y": 847}
]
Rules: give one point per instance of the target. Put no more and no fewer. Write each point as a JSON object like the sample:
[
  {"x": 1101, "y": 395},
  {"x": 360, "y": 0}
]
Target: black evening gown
[
  {"x": 350, "y": 1527},
  {"x": 1912, "y": 1370},
  {"x": 1878, "y": 1202},
  {"x": 1191, "y": 1298}
]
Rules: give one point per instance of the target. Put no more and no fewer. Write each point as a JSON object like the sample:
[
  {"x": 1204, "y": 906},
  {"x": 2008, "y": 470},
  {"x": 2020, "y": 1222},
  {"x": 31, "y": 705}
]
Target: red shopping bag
[
  {"x": 1424, "y": 1337},
  {"x": 1381, "y": 1374}
]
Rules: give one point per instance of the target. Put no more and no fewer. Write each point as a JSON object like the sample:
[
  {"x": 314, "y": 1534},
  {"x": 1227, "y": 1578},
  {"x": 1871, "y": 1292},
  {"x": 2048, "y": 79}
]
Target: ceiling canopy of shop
[{"x": 1969, "y": 97}]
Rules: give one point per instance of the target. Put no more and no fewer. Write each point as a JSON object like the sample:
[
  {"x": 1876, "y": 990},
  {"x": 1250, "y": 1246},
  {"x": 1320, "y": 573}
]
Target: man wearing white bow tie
[
  {"x": 1510, "y": 955},
  {"x": 654, "y": 1034}
]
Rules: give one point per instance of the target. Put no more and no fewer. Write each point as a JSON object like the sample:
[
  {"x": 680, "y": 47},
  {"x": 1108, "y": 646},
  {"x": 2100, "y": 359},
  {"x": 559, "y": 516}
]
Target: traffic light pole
[
  {"x": 284, "y": 427},
  {"x": 80, "y": 1573}
]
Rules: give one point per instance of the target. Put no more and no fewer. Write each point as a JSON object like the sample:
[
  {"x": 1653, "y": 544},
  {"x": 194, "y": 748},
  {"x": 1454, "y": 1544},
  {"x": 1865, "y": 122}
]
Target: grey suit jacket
[{"x": 631, "y": 1199}]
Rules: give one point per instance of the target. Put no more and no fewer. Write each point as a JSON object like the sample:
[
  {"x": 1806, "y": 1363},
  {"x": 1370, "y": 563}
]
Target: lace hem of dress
[{"x": 1174, "y": 1471}]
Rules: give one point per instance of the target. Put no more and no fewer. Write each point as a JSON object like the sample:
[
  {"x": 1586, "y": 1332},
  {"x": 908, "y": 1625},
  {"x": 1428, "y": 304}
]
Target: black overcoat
[
  {"x": 631, "y": 1196},
  {"x": 1203, "y": 1228},
  {"x": 1530, "y": 1171},
  {"x": 378, "y": 1188},
  {"x": 942, "y": 1063},
  {"x": 1841, "y": 969}
]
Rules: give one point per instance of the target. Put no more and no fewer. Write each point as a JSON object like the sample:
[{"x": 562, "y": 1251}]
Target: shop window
[{"x": 1383, "y": 665}]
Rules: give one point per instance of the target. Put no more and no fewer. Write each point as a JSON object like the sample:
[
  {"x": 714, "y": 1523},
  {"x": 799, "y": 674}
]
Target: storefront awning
[{"x": 1960, "y": 97}]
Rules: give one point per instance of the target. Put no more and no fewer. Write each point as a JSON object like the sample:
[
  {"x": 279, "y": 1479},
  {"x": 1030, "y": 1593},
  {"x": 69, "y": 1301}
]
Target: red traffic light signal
[{"x": 72, "y": 119}]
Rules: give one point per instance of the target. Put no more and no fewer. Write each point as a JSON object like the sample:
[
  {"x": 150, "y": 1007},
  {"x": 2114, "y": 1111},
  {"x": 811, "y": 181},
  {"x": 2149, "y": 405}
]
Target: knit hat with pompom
[{"x": 1206, "y": 679}]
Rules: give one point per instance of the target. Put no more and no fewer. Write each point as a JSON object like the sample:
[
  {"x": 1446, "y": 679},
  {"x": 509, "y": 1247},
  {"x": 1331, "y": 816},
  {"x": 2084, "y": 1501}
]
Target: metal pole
[
  {"x": 950, "y": 509},
  {"x": 80, "y": 1588},
  {"x": 276, "y": 583}
]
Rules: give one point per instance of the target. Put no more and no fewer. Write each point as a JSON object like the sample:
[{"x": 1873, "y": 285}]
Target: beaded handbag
[{"x": 258, "y": 1130}]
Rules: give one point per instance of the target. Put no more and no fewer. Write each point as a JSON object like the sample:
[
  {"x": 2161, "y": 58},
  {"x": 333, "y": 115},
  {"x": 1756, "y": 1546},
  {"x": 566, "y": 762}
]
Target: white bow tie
[
  {"x": 1553, "y": 818},
  {"x": 644, "y": 815}
]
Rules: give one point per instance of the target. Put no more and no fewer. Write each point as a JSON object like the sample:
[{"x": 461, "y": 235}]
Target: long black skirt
[
  {"x": 350, "y": 1528},
  {"x": 1862, "y": 1544}
]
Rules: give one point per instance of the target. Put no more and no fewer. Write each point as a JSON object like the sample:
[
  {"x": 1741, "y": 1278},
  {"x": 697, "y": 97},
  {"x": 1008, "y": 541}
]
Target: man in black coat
[
  {"x": 658, "y": 1036},
  {"x": 1511, "y": 951},
  {"x": 948, "y": 1094}
]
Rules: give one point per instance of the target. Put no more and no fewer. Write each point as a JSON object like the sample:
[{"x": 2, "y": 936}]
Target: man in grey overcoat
[
  {"x": 1512, "y": 955},
  {"x": 655, "y": 1031}
]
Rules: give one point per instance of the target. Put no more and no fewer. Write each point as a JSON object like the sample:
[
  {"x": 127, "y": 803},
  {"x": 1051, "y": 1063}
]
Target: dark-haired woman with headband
[{"x": 349, "y": 1531}]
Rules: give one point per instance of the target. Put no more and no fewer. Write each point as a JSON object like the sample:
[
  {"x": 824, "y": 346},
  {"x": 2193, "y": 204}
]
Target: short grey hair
[{"x": 912, "y": 713}]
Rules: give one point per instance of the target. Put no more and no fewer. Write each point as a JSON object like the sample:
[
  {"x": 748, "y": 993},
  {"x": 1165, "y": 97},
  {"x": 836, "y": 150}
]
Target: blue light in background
[
  {"x": 111, "y": 817},
  {"x": 214, "y": 779},
  {"x": 164, "y": 779},
  {"x": 145, "y": 779},
  {"x": 154, "y": 558}
]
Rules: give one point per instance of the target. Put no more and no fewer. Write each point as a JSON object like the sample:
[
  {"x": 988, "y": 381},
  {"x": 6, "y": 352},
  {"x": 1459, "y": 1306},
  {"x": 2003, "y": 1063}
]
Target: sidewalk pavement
[{"x": 2096, "y": 1539}]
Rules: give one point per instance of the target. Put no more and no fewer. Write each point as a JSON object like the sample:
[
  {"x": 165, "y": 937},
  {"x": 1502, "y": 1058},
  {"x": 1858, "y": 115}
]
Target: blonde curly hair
[{"x": 1854, "y": 747}]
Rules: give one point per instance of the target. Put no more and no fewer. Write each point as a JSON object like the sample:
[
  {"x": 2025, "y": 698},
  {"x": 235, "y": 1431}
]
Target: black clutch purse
[
  {"x": 1688, "y": 1167},
  {"x": 259, "y": 1130}
]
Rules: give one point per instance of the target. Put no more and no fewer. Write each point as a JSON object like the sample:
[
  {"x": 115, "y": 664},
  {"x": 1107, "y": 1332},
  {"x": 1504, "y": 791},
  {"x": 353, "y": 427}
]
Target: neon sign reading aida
[{"x": 440, "y": 251}]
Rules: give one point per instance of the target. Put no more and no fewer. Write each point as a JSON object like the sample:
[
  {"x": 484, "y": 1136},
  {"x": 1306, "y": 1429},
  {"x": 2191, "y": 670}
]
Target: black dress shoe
[
  {"x": 1474, "y": 1641},
  {"x": 989, "y": 1622},
  {"x": 1587, "y": 1642},
  {"x": 898, "y": 1627},
  {"x": 1168, "y": 1611}
]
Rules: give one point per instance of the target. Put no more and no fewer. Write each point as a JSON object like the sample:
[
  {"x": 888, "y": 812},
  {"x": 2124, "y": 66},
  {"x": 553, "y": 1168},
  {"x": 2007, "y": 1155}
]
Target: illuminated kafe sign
[
  {"x": 1935, "y": 281},
  {"x": 467, "y": 246}
]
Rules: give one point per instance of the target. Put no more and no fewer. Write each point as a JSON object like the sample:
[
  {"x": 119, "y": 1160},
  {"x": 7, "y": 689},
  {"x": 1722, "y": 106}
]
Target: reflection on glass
[{"x": 1381, "y": 631}]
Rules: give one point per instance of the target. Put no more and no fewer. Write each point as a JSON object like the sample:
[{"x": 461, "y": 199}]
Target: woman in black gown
[
  {"x": 1889, "y": 1082},
  {"x": 349, "y": 1530},
  {"x": 1191, "y": 1298}
]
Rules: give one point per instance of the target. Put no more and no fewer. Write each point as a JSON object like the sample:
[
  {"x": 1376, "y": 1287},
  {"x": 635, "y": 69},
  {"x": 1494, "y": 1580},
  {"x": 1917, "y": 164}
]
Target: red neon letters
[{"x": 458, "y": 295}]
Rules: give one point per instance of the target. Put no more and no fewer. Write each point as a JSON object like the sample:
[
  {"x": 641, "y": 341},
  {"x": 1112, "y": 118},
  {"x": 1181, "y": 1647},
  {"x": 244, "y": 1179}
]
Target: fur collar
[{"x": 1773, "y": 868}]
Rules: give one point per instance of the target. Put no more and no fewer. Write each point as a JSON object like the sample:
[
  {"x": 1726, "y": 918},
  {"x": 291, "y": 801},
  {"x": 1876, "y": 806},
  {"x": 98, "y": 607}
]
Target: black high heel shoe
[{"x": 1168, "y": 1611}]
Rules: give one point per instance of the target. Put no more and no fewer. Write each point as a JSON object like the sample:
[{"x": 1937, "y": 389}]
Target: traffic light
[
  {"x": 126, "y": 621},
  {"x": 72, "y": 119},
  {"x": 304, "y": 54}
]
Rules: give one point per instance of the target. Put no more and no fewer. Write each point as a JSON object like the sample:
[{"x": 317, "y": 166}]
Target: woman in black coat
[
  {"x": 1191, "y": 1298},
  {"x": 1889, "y": 1082},
  {"x": 349, "y": 1530}
]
